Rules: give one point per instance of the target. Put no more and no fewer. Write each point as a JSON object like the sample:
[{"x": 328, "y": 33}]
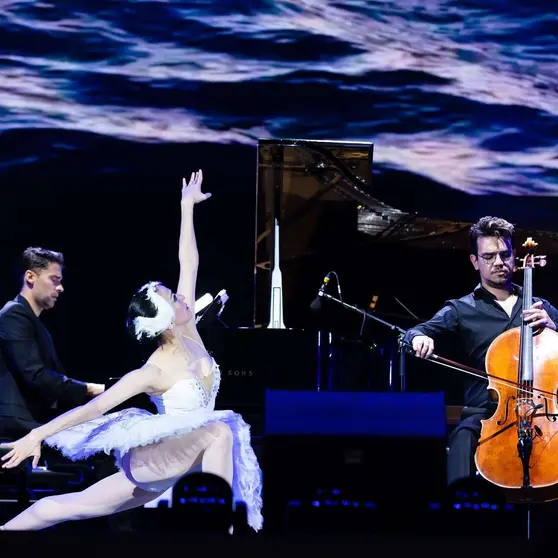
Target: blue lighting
[{"x": 482, "y": 506}]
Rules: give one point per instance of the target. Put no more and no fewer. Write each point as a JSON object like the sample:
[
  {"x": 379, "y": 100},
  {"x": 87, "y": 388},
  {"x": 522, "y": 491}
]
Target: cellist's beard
[
  {"x": 498, "y": 281},
  {"x": 497, "y": 284}
]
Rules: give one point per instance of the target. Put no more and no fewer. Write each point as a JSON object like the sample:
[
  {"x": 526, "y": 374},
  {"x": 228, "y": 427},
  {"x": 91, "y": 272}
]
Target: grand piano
[{"x": 398, "y": 248}]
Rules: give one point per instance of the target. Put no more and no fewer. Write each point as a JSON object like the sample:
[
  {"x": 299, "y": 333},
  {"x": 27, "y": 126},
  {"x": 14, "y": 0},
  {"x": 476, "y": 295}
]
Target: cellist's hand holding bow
[
  {"x": 423, "y": 346},
  {"x": 538, "y": 317}
]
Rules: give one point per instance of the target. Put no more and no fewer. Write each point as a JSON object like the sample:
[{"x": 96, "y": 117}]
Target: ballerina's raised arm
[{"x": 188, "y": 255}]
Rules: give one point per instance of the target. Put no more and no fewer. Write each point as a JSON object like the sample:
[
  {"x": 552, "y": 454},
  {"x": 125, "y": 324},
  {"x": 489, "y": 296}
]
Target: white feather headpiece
[{"x": 163, "y": 320}]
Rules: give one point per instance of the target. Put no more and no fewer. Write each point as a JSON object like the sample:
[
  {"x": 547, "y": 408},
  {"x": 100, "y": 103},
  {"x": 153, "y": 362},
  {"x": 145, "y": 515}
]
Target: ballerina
[{"x": 153, "y": 451}]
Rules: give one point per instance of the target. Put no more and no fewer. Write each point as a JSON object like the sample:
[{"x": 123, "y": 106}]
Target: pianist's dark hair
[
  {"x": 489, "y": 226},
  {"x": 36, "y": 259}
]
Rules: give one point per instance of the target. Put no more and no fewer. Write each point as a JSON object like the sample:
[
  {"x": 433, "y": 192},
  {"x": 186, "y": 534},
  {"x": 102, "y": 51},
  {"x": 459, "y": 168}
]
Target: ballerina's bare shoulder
[{"x": 182, "y": 359}]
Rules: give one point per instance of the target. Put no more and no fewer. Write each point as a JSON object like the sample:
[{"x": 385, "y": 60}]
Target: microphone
[
  {"x": 223, "y": 297},
  {"x": 215, "y": 306},
  {"x": 317, "y": 302}
]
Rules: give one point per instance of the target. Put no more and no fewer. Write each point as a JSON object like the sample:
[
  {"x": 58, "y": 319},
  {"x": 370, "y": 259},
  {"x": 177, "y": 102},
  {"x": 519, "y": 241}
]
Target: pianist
[{"x": 32, "y": 382}]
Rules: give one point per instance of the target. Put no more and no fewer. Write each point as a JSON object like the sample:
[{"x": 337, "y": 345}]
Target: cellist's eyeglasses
[{"x": 489, "y": 257}]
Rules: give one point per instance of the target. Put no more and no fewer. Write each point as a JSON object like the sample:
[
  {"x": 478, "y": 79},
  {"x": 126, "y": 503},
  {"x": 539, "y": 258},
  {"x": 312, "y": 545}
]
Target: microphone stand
[{"x": 401, "y": 347}]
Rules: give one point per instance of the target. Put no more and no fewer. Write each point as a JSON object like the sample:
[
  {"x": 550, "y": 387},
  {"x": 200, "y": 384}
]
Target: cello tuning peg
[{"x": 530, "y": 243}]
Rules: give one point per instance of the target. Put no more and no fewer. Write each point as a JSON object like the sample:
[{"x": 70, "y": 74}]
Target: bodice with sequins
[{"x": 188, "y": 395}]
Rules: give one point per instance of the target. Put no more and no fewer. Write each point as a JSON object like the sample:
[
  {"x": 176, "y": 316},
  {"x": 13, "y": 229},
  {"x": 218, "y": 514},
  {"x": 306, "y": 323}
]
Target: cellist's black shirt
[{"x": 472, "y": 323}]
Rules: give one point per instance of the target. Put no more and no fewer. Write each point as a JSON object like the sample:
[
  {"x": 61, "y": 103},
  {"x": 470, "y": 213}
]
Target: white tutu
[{"x": 124, "y": 430}]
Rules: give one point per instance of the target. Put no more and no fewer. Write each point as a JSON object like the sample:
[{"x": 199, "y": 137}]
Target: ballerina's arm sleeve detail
[{"x": 138, "y": 381}]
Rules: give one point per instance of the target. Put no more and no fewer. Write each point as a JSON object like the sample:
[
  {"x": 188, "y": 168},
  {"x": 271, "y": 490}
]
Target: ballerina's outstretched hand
[
  {"x": 25, "y": 447},
  {"x": 192, "y": 190}
]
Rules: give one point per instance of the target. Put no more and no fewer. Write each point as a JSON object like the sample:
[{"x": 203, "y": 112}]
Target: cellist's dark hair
[{"x": 489, "y": 226}]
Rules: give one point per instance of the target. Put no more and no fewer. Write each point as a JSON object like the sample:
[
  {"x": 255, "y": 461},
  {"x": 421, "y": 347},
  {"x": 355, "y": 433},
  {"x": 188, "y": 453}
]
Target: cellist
[{"x": 472, "y": 322}]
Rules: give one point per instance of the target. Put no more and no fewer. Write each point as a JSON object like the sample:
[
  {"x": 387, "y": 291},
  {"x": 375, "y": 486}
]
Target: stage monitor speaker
[{"x": 351, "y": 454}]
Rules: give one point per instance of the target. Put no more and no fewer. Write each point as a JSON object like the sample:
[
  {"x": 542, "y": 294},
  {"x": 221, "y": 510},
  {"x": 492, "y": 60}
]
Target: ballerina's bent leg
[{"x": 211, "y": 444}]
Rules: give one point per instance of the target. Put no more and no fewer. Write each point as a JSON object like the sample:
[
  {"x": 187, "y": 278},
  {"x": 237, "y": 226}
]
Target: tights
[{"x": 163, "y": 462}]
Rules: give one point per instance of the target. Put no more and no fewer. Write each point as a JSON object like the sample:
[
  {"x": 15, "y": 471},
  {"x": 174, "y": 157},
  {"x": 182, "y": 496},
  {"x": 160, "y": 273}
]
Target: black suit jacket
[{"x": 32, "y": 379}]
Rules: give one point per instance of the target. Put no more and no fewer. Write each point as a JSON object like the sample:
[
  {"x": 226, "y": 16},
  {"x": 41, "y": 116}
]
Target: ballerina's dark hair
[{"x": 141, "y": 306}]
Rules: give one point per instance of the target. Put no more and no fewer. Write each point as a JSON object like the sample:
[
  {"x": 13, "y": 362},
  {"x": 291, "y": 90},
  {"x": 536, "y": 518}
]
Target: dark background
[{"x": 103, "y": 111}]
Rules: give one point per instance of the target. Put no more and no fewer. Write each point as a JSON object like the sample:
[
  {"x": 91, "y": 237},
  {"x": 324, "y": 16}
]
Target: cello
[{"x": 518, "y": 445}]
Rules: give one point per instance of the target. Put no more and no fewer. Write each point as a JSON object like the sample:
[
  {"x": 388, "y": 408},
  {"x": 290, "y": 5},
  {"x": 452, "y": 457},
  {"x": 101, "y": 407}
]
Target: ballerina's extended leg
[
  {"x": 110, "y": 495},
  {"x": 170, "y": 459}
]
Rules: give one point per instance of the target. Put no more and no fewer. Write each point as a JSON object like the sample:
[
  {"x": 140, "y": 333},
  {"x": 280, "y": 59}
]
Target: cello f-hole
[
  {"x": 506, "y": 416},
  {"x": 550, "y": 417}
]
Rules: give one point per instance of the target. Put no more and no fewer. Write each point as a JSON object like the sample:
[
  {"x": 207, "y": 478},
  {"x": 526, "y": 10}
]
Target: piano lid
[
  {"x": 341, "y": 171},
  {"x": 332, "y": 210},
  {"x": 415, "y": 230}
]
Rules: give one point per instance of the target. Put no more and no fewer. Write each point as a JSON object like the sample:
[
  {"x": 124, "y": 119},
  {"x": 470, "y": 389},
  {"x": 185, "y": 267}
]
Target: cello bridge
[{"x": 525, "y": 409}]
